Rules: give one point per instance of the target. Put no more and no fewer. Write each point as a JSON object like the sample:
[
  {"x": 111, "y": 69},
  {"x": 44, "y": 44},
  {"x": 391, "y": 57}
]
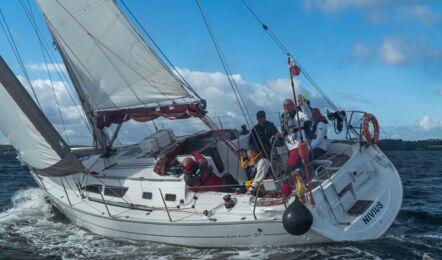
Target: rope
[
  {"x": 225, "y": 66},
  {"x": 58, "y": 70},
  {"x": 284, "y": 49},
  {"x": 56, "y": 100},
  {"x": 11, "y": 41},
  {"x": 232, "y": 82}
]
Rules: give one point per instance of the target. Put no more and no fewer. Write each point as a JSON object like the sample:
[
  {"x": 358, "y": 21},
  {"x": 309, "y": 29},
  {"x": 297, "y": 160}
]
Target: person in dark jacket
[{"x": 262, "y": 133}]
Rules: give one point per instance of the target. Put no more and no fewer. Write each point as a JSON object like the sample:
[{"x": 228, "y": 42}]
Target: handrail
[{"x": 324, "y": 196}]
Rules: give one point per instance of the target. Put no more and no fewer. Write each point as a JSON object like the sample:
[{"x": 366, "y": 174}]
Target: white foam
[
  {"x": 31, "y": 219},
  {"x": 27, "y": 204}
]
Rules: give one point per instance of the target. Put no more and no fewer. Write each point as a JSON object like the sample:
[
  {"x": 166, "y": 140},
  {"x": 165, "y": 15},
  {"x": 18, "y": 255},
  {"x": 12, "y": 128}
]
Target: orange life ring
[{"x": 366, "y": 130}]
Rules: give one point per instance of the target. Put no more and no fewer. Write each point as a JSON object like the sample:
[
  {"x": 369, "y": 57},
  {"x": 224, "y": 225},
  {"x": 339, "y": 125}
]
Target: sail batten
[{"x": 114, "y": 66}]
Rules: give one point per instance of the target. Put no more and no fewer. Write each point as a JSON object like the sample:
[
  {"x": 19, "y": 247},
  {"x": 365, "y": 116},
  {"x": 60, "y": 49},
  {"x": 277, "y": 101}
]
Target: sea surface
[{"x": 30, "y": 228}]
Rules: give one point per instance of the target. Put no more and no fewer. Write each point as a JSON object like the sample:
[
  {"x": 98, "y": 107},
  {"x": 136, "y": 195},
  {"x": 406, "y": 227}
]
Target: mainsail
[
  {"x": 112, "y": 64},
  {"x": 30, "y": 132}
]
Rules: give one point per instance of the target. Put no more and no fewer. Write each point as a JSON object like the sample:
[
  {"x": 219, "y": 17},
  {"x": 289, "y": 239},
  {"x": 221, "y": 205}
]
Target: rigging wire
[
  {"x": 236, "y": 91},
  {"x": 234, "y": 86},
  {"x": 11, "y": 41},
  {"x": 53, "y": 88},
  {"x": 284, "y": 49},
  {"x": 231, "y": 80},
  {"x": 57, "y": 67},
  {"x": 56, "y": 100}
]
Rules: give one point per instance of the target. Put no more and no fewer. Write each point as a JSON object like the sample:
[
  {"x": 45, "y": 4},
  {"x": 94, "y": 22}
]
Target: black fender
[{"x": 297, "y": 218}]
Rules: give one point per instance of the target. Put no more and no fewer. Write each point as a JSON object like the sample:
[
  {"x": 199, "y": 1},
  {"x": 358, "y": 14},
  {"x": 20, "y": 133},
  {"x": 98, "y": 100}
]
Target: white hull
[
  {"x": 375, "y": 179},
  {"x": 241, "y": 234}
]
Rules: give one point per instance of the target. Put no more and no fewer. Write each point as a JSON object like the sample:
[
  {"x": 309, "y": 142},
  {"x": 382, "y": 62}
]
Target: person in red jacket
[{"x": 198, "y": 175}]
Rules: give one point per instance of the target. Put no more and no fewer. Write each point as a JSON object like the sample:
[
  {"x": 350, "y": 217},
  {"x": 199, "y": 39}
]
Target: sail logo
[{"x": 372, "y": 213}]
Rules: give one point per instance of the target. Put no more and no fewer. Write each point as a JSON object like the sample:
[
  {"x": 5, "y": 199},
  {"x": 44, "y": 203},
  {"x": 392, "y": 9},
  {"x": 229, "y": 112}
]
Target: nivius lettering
[{"x": 373, "y": 211}]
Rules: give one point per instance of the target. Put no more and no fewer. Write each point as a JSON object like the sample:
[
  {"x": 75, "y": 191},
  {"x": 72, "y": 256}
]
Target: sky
[{"x": 380, "y": 56}]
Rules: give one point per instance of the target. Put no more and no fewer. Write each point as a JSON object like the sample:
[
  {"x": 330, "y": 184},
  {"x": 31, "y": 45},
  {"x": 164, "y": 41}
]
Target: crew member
[
  {"x": 262, "y": 133},
  {"x": 290, "y": 128},
  {"x": 317, "y": 134},
  {"x": 258, "y": 170},
  {"x": 198, "y": 174}
]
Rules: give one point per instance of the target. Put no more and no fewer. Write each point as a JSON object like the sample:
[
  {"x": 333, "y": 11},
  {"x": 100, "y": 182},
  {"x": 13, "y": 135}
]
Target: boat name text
[{"x": 372, "y": 213}]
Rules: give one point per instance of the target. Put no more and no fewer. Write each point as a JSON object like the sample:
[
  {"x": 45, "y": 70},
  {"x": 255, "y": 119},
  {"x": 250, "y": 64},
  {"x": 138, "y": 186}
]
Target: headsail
[
  {"x": 111, "y": 62},
  {"x": 30, "y": 132}
]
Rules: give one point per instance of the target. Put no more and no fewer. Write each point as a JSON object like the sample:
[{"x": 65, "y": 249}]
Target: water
[{"x": 31, "y": 228}]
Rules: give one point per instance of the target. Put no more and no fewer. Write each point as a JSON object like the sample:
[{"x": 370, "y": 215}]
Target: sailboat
[{"x": 132, "y": 192}]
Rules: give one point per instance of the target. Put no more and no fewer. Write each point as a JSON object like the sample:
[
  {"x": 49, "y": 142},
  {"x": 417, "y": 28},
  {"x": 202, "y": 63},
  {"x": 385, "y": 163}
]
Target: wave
[{"x": 421, "y": 216}]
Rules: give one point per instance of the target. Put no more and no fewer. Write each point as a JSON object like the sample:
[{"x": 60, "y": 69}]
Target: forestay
[
  {"x": 113, "y": 65},
  {"x": 39, "y": 145}
]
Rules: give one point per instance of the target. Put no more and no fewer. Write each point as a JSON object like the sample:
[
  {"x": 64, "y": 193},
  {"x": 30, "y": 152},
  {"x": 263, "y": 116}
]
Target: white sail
[
  {"x": 113, "y": 65},
  {"x": 39, "y": 145},
  {"x": 32, "y": 147}
]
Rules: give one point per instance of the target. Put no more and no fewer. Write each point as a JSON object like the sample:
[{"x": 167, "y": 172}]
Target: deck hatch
[
  {"x": 96, "y": 188},
  {"x": 115, "y": 191}
]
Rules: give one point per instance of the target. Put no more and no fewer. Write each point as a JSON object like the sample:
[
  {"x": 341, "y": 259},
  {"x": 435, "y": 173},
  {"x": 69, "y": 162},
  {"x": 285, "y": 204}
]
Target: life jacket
[
  {"x": 199, "y": 174},
  {"x": 289, "y": 122},
  {"x": 311, "y": 131},
  {"x": 253, "y": 170},
  {"x": 253, "y": 162},
  {"x": 249, "y": 165}
]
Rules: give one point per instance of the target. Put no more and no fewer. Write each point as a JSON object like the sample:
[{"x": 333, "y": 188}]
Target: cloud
[
  {"x": 333, "y": 6},
  {"x": 50, "y": 67},
  {"x": 377, "y": 11},
  {"x": 422, "y": 13},
  {"x": 411, "y": 132},
  {"x": 360, "y": 50},
  {"x": 222, "y": 106},
  {"x": 439, "y": 91},
  {"x": 425, "y": 128},
  {"x": 427, "y": 123},
  {"x": 392, "y": 51},
  {"x": 396, "y": 51},
  {"x": 355, "y": 98},
  {"x": 72, "y": 115},
  {"x": 213, "y": 86}
]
